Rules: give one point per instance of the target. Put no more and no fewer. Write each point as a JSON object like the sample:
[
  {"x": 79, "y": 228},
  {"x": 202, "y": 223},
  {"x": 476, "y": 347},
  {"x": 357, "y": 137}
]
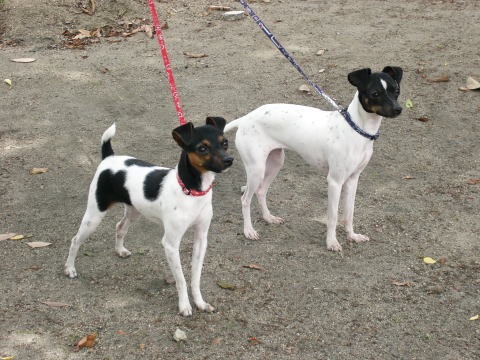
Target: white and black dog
[
  {"x": 177, "y": 198},
  {"x": 323, "y": 138}
]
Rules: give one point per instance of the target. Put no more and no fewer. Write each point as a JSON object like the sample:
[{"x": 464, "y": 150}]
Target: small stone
[{"x": 179, "y": 335}]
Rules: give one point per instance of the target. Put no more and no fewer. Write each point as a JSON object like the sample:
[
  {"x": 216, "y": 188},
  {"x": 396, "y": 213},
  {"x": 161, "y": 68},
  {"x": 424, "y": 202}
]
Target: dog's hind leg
[
  {"x": 130, "y": 214},
  {"x": 91, "y": 219},
  {"x": 274, "y": 163},
  {"x": 255, "y": 173}
]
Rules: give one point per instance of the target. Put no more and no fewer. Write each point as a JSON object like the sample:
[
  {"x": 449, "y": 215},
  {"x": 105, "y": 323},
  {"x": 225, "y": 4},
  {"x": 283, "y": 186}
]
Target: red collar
[{"x": 192, "y": 192}]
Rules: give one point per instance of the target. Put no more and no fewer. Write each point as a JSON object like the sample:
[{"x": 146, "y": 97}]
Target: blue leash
[{"x": 317, "y": 88}]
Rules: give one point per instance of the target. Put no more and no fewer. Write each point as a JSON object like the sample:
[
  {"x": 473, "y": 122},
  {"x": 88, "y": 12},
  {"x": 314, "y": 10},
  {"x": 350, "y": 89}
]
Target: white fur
[
  {"x": 109, "y": 133},
  {"x": 175, "y": 210},
  {"x": 323, "y": 138}
]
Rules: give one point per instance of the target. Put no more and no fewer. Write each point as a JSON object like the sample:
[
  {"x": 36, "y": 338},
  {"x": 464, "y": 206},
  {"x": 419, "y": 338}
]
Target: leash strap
[
  {"x": 317, "y": 88},
  {"x": 166, "y": 62}
]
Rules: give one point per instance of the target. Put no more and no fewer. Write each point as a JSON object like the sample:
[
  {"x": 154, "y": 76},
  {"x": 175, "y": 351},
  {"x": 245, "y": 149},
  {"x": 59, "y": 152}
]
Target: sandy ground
[{"x": 416, "y": 198}]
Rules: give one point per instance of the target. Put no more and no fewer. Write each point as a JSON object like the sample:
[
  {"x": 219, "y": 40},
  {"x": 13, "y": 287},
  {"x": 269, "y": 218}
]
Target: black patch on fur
[
  {"x": 111, "y": 189},
  {"x": 138, "y": 162},
  {"x": 152, "y": 186},
  {"x": 107, "y": 149}
]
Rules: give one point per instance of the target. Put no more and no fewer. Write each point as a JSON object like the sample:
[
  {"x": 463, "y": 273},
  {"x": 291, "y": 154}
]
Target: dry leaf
[
  {"x": 17, "y": 237},
  {"x": 141, "y": 346},
  {"x": 38, "y": 244},
  {"x": 409, "y": 104},
  {"x": 402, "y": 283},
  {"x": 429, "y": 260},
  {"x": 408, "y": 177},
  {"x": 36, "y": 171},
  {"x": 423, "y": 119},
  {"x": 305, "y": 88},
  {"x": 179, "y": 335},
  {"x": 23, "y": 60},
  {"x": 194, "y": 56},
  {"x": 472, "y": 84},
  {"x": 254, "y": 267},
  {"x": 476, "y": 317},
  {"x": 218, "y": 8},
  {"x": 35, "y": 267},
  {"x": 7, "y": 358},
  {"x": 8, "y": 82},
  {"x": 54, "y": 304},
  {"x": 442, "y": 260},
  {"x": 320, "y": 52},
  {"x": 225, "y": 285},
  {"x": 121, "y": 332},
  {"x": 6, "y": 236},
  {"x": 87, "y": 341},
  {"x": 473, "y": 181},
  {"x": 217, "y": 341},
  {"x": 443, "y": 78}
]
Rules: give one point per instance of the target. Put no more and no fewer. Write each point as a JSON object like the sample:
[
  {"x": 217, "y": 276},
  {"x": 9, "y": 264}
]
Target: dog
[
  {"x": 178, "y": 198},
  {"x": 323, "y": 138}
]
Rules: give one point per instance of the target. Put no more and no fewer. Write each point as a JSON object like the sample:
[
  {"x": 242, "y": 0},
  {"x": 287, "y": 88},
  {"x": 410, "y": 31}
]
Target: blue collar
[{"x": 355, "y": 127}]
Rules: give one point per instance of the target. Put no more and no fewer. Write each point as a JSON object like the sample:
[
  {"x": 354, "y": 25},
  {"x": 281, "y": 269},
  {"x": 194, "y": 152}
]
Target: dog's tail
[
  {"x": 107, "y": 149},
  {"x": 231, "y": 125}
]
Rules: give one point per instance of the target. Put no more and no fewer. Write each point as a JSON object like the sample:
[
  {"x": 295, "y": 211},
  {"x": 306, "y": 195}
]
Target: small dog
[
  {"x": 323, "y": 139},
  {"x": 178, "y": 198}
]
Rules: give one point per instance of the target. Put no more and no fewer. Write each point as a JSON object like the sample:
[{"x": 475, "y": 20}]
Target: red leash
[{"x": 166, "y": 62}]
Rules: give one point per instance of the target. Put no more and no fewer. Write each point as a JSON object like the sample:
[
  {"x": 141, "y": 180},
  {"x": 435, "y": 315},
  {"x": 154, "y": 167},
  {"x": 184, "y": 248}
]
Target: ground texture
[{"x": 418, "y": 196}]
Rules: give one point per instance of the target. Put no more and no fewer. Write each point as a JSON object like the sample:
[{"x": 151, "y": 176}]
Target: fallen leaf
[
  {"x": 408, "y": 177},
  {"x": 17, "y": 237},
  {"x": 87, "y": 341},
  {"x": 305, "y": 88},
  {"x": 476, "y": 317},
  {"x": 36, "y": 171},
  {"x": 217, "y": 341},
  {"x": 23, "y": 60},
  {"x": 472, "y": 84},
  {"x": 442, "y": 260},
  {"x": 218, "y": 8},
  {"x": 121, "y": 332},
  {"x": 409, "y": 104},
  {"x": 6, "y": 236},
  {"x": 254, "y": 267},
  {"x": 402, "y": 283},
  {"x": 8, "y": 82},
  {"x": 423, "y": 119},
  {"x": 54, "y": 304},
  {"x": 225, "y": 285},
  {"x": 473, "y": 181},
  {"x": 320, "y": 52},
  {"x": 194, "y": 55},
  {"x": 35, "y": 267},
  {"x": 38, "y": 244},
  {"x": 7, "y": 358},
  {"x": 321, "y": 71},
  {"x": 442, "y": 78},
  {"x": 179, "y": 335},
  {"x": 141, "y": 346},
  {"x": 429, "y": 260}
]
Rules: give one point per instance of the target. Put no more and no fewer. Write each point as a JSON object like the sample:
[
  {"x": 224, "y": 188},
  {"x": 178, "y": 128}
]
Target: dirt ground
[{"x": 418, "y": 196}]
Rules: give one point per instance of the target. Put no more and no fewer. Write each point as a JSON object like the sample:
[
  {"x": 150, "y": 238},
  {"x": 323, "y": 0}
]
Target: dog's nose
[
  {"x": 228, "y": 161},
  {"x": 397, "y": 111}
]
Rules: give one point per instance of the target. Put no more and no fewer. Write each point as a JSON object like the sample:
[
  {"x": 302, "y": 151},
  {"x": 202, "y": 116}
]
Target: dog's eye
[
  {"x": 225, "y": 144},
  {"x": 375, "y": 94},
  {"x": 202, "y": 149}
]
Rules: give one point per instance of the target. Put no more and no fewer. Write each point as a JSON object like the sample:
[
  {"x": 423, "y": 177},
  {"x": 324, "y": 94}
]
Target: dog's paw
[
  {"x": 70, "y": 272},
  {"x": 185, "y": 310},
  {"x": 274, "y": 219},
  {"x": 334, "y": 246},
  {"x": 206, "y": 307},
  {"x": 358, "y": 238},
  {"x": 251, "y": 234},
  {"x": 123, "y": 252}
]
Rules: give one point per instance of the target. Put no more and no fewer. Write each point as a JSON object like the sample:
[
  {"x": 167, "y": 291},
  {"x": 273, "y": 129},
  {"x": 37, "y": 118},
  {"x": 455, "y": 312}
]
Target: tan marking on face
[{"x": 198, "y": 162}]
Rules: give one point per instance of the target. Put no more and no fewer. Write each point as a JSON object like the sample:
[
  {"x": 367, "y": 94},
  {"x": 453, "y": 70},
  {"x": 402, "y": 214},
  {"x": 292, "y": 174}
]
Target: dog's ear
[
  {"x": 216, "y": 121},
  {"x": 359, "y": 77},
  {"x": 395, "y": 72},
  {"x": 183, "y": 134}
]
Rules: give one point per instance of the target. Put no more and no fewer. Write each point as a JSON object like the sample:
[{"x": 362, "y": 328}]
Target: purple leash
[{"x": 317, "y": 88}]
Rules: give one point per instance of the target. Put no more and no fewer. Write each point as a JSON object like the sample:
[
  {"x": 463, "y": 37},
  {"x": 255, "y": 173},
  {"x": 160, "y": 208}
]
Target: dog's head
[
  {"x": 378, "y": 92},
  {"x": 206, "y": 147}
]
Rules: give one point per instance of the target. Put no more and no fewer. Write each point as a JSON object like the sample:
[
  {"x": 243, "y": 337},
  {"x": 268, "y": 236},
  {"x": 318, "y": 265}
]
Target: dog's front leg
[
  {"x": 199, "y": 249},
  {"x": 334, "y": 191},
  {"x": 171, "y": 243},
  {"x": 350, "y": 190}
]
